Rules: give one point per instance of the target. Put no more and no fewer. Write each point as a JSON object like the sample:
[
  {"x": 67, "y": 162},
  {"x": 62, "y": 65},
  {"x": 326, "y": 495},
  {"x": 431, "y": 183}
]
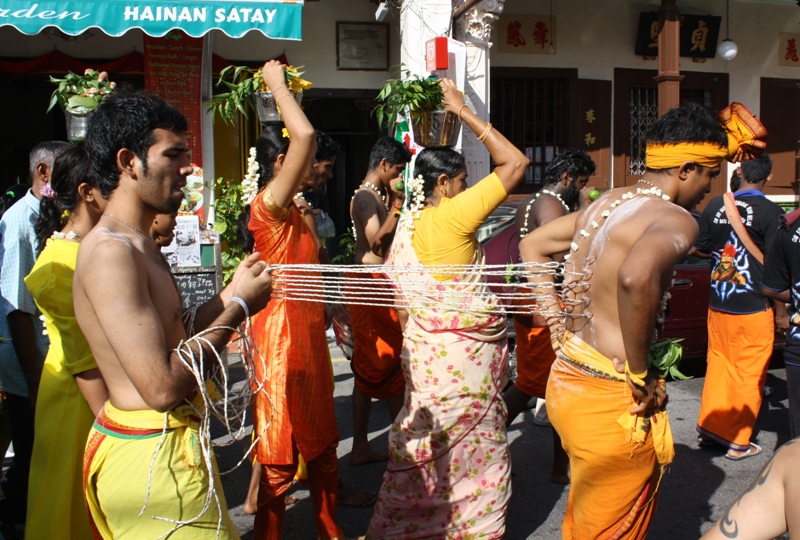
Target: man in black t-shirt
[
  {"x": 781, "y": 281},
  {"x": 741, "y": 324}
]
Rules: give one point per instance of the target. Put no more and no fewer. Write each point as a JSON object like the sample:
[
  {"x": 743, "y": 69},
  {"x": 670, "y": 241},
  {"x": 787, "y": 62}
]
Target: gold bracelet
[
  {"x": 485, "y": 133},
  {"x": 277, "y": 99},
  {"x": 459, "y": 111},
  {"x": 278, "y": 88},
  {"x": 636, "y": 378}
]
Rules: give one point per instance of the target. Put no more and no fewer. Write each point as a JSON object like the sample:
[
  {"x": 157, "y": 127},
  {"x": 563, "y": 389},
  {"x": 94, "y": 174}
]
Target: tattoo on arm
[{"x": 363, "y": 205}]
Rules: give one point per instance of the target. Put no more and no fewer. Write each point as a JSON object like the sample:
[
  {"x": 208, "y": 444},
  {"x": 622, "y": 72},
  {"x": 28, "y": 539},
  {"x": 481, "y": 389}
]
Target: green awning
[{"x": 277, "y": 19}]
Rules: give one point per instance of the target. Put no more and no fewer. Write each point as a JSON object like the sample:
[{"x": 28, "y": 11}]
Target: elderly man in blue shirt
[{"x": 21, "y": 359}]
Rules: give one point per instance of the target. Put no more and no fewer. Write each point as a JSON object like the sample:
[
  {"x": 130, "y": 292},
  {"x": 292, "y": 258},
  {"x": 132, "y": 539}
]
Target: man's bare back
[{"x": 628, "y": 239}]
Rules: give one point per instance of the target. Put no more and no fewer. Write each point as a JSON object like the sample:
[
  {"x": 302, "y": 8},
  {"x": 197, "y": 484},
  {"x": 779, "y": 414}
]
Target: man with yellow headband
[
  {"x": 741, "y": 321},
  {"x": 604, "y": 401}
]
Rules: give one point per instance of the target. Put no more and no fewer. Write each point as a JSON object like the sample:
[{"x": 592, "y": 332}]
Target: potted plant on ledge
[
  {"x": 246, "y": 89},
  {"x": 422, "y": 99},
  {"x": 78, "y": 96}
]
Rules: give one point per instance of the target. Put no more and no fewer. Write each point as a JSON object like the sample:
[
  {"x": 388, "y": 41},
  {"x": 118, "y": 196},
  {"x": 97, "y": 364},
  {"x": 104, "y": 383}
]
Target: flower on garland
[
  {"x": 285, "y": 133},
  {"x": 250, "y": 182},
  {"x": 417, "y": 189}
]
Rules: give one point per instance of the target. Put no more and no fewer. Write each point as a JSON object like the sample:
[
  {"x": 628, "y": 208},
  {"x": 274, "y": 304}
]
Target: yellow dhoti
[
  {"x": 614, "y": 456},
  {"x": 117, "y": 469}
]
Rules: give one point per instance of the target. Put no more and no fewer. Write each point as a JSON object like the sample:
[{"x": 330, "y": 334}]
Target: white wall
[
  {"x": 317, "y": 50},
  {"x": 595, "y": 37}
]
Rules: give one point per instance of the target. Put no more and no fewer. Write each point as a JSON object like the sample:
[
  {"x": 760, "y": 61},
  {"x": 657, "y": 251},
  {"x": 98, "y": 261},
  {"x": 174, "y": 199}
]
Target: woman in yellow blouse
[
  {"x": 449, "y": 468},
  {"x": 71, "y": 390}
]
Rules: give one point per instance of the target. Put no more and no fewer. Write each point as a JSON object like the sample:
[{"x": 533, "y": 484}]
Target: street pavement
[{"x": 696, "y": 490}]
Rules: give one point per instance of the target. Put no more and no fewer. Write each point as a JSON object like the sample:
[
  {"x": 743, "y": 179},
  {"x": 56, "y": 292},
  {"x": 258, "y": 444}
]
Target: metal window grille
[
  {"x": 644, "y": 111},
  {"x": 533, "y": 114}
]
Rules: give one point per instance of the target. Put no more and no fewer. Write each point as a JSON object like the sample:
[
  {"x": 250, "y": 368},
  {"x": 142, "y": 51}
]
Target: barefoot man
[
  {"x": 565, "y": 186},
  {"x": 129, "y": 308},
  {"x": 377, "y": 338},
  {"x": 608, "y": 408}
]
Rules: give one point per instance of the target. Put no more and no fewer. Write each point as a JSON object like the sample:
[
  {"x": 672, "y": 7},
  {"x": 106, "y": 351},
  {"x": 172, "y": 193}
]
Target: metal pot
[
  {"x": 435, "y": 129},
  {"x": 78, "y": 124},
  {"x": 267, "y": 109}
]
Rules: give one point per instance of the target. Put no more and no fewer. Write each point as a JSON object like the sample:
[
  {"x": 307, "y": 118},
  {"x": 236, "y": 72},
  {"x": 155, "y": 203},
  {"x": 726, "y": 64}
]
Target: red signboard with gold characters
[{"x": 172, "y": 70}]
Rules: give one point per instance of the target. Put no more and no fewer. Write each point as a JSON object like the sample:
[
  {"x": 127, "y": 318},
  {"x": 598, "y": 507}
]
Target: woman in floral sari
[{"x": 449, "y": 469}]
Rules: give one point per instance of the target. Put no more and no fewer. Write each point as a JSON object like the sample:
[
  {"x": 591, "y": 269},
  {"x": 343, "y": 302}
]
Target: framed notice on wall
[{"x": 362, "y": 46}]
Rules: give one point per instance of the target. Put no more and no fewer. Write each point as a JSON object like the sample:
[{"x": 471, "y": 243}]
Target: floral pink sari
[{"x": 449, "y": 468}]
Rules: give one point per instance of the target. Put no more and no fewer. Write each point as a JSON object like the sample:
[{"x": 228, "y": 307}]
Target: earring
[
  {"x": 155, "y": 221},
  {"x": 444, "y": 192}
]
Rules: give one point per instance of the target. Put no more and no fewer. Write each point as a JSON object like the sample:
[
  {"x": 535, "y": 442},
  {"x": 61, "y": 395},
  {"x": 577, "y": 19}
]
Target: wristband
[
  {"x": 636, "y": 378},
  {"x": 241, "y": 303},
  {"x": 397, "y": 213},
  {"x": 397, "y": 207}
]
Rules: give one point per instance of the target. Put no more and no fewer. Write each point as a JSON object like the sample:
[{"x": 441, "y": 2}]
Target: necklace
[
  {"x": 648, "y": 183},
  {"x": 369, "y": 185},
  {"x": 71, "y": 235},
  {"x": 137, "y": 229},
  {"x": 524, "y": 229}
]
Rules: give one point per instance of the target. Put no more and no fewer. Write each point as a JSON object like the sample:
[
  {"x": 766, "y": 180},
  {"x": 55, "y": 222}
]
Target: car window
[{"x": 496, "y": 223}]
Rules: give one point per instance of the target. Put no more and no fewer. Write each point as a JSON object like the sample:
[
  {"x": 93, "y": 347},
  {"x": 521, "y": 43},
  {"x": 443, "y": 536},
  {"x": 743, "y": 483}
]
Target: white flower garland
[
  {"x": 416, "y": 187},
  {"x": 250, "y": 182}
]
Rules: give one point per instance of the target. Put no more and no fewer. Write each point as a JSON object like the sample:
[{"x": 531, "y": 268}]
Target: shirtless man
[
  {"x": 377, "y": 338},
  {"x": 565, "y": 186},
  {"x": 129, "y": 309},
  {"x": 605, "y": 404}
]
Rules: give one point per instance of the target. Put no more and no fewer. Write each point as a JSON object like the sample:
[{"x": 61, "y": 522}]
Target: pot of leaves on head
[
  {"x": 78, "y": 123},
  {"x": 435, "y": 129},
  {"x": 266, "y": 107}
]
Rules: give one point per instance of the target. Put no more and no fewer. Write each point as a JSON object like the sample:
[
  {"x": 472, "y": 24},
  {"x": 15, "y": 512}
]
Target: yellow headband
[
  {"x": 667, "y": 156},
  {"x": 745, "y": 142}
]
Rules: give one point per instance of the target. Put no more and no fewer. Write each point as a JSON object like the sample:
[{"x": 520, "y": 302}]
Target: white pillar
[
  {"x": 207, "y": 129},
  {"x": 421, "y": 20},
  {"x": 475, "y": 29}
]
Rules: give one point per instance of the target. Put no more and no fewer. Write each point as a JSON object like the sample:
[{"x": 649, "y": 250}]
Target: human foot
[
  {"x": 362, "y": 456},
  {"x": 349, "y": 496}
]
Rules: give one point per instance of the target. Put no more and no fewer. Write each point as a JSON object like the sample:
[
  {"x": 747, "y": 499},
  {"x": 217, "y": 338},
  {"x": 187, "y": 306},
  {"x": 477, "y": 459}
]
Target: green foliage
[
  {"x": 80, "y": 93},
  {"x": 228, "y": 207},
  {"x": 242, "y": 83},
  {"x": 665, "y": 355},
  {"x": 417, "y": 94},
  {"x": 512, "y": 275},
  {"x": 347, "y": 244}
]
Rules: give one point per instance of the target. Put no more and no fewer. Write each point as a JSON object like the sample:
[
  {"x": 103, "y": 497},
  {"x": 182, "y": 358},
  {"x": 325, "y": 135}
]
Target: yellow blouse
[{"x": 445, "y": 234}]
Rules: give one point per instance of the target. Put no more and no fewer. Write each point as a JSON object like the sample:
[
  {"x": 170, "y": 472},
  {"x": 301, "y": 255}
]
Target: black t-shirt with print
[
  {"x": 782, "y": 272},
  {"x": 736, "y": 274}
]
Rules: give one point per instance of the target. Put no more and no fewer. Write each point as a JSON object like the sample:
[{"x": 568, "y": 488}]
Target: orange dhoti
[
  {"x": 616, "y": 459},
  {"x": 739, "y": 349},
  {"x": 377, "y": 343},
  {"x": 535, "y": 356}
]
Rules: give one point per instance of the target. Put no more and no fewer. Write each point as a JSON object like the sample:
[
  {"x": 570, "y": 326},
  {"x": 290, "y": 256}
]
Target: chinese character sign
[
  {"x": 526, "y": 34},
  {"x": 787, "y": 50}
]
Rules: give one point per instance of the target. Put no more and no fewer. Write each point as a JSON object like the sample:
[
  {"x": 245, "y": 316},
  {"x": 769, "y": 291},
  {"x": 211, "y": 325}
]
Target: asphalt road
[{"x": 696, "y": 490}]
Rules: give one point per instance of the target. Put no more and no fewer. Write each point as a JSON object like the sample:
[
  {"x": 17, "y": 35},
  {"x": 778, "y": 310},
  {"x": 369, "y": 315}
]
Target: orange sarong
[
  {"x": 535, "y": 357},
  {"x": 616, "y": 459},
  {"x": 296, "y": 372},
  {"x": 739, "y": 349},
  {"x": 377, "y": 344}
]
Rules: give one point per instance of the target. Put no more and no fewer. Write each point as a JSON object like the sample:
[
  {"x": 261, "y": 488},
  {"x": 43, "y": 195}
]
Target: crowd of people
[{"x": 105, "y": 413}]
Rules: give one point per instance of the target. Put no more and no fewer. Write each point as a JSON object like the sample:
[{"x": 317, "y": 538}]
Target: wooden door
[{"x": 780, "y": 114}]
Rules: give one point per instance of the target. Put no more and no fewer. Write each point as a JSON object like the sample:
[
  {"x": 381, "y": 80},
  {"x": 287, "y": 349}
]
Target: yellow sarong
[
  {"x": 614, "y": 456},
  {"x": 117, "y": 466}
]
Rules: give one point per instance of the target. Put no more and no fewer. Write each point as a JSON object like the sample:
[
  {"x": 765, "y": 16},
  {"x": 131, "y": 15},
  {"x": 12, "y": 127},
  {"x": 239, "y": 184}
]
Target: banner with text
[{"x": 172, "y": 67}]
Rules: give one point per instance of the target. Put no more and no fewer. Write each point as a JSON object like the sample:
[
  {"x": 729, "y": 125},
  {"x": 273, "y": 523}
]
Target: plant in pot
[
  {"x": 422, "y": 99},
  {"x": 78, "y": 96},
  {"x": 247, "y": 90}
]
